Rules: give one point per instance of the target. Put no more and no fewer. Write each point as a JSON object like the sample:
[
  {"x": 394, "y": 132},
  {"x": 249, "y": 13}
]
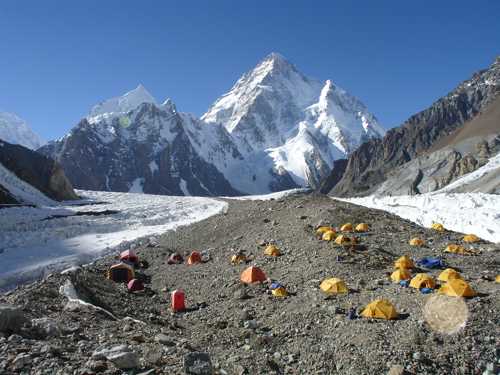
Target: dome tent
[
  {"x": 400, "y": 274},
  {"x": 449, "y": 274},
  {"x": 253, "y": 275},
  {"x": 380, "y": 309},
  {"x": 457, "y": 288},
  {"x": 121, "y": 272},
  {"x": 422, "y": 280},
  {"x": 333, "y": 285}
]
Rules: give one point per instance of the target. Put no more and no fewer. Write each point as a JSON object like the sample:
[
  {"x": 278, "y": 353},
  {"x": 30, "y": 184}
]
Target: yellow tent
[
  {"x": 362, "y": 227},
  {"x": 471, "y": 238},
  {"x": 238, "y": 259},
  {"x": 324, "y": 229},
  {"x": 381, "y": 309},
  {"x": 449, "y": 274},
  {"x": 457, "y": 249},
  {"x": 404, "y": 263},
  {"x": 422, "y": 280},
  {"x": 329, "y": 236},
  {"x": 347, "y": 227},
  {"x": 400, "y": 274},
  {"x": 416, "y": 242},
  {"x": 333, "y": 286},
  {"x": 343, "y": 240},
  {"x": 457, "y": 288},
  {"x": 279, "y": 292},
  {"x": 272, "y": 251},
  {"x": 497, "y": 279},
  {"x": 438, "y": 227}
]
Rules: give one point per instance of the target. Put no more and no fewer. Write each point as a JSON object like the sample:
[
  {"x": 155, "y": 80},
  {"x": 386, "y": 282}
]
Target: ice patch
[{"x": 137, "y": 186}]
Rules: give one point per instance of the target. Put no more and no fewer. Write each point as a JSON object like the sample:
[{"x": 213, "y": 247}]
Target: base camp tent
[
  {"x": 238, "y": 259},
  {"x": 175, "y": 258},
  {"x": 135, "y": 285},
  {"x": 347, "y": 227},
  {"x": 361, "y": 227},
  {"x": 279, "y": 292},
  {"x": 380, "y": 309},
  {"x": 457, "y": 288},
  {"x": 121, "y": 273},
  {"x": 471, "y": 238},
  {"x": 343, "y": 240},
  {"x": 253, "y": 275},
  {"x": 438, "y": 227},
  {"x": 333, "y": 286},
  {"x": 400, "y": 274},
  {"x": 194, "y": 257},
  {"x": 323, "y": 229},
  {"x": 272, "y": 250},
  {"x": 329, "y": 235},
  {"x": 416, "y": 242},
  {"x": 422, "y": 280},
  {"x": 129, "y": 256},
  {"x": 449, "y": 274},
  {"x": 457, "y": 249},
  {"x": 404, "y": 262}
]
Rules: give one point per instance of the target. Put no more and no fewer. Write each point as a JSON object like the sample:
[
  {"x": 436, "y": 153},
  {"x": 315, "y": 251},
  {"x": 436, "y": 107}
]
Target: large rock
[
  {"x": 198, "y": 363},
  {"x": 37, "y": 170},
  {"x": 12, "y": 318},
  {"x": 121, "y": 356},
  {"x": 45, "y": 327}
]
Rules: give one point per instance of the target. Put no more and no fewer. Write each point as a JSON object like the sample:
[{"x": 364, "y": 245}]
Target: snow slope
[
  {"x": 21, "y": 190},
  {"x": 466, "y": 213},
  {"x": 31, "y": 247},
  {"x": 14, "y": 129}
]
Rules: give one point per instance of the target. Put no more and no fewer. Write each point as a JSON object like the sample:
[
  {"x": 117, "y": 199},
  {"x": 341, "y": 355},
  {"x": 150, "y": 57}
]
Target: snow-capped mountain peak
[
  {"x": 122, "y": 104},
  {"x": 14, "y": 129}
]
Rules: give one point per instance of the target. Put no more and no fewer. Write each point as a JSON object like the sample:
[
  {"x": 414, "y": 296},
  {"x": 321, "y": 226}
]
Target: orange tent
[
  {"x": 449, "y": 274},
  {"x": 471, "y": 238},
  {"x": 129, "y": 256},
  {"x": 362, "y": 227},
  {"x": 323, "y": 229},
  {"x": 253, "y": 275},
  {"x": 272, "y": 250},
  {"x": 194, "y": 257},
  {"x": 400, "y": 274},
  {"x": 121, "y": 273},
  {"x": 438, "y": 227}
]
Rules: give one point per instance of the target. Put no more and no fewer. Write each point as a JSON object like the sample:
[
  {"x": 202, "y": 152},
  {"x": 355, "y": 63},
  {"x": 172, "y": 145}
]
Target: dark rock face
[
  {"x": 151, "y": 153},
  {"x": 370, "y": 164},
  {"x": 338, "y": 170},
  {"x": 38, "y": 170}
]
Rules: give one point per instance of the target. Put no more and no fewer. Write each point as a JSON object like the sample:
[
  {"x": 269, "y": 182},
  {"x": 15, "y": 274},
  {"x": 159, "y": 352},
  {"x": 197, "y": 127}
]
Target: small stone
[
  {"x": 121, "y": 356},
  {"x": 164, "y": 339},
  {"x": 197, "y": 363},
  {"x": 396, "y": 370},
  {"x": 240, "y": 294},
  {"x": 250, "y": 324},
  {"x": 21, "y": 360},
  {"x": 45, "y": 327},
  {"x": 97, "y": 366},
  {"x": 417, "y": 356}
]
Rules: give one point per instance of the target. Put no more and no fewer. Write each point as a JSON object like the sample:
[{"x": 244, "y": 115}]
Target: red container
[{"x": 178, "y": 303}]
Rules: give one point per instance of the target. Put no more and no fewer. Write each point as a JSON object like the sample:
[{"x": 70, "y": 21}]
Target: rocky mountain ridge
[{"x": 390, "y": 166}]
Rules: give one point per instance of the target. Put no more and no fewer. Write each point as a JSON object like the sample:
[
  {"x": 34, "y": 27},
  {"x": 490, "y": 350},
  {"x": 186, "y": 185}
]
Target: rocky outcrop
[
  {"x": 372, "y": 163},
  {"x": 37, "y": 170}
]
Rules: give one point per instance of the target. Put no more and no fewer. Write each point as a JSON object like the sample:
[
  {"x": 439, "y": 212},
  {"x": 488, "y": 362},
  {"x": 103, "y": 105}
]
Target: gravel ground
[{"x": 246, "y": 330}]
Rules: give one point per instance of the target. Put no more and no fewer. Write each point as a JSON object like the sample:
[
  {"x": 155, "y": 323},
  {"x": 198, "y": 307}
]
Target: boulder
[
  {"x": 12, "y": 318},
  {"x": 121, "y": 356},
  {"x": 45, "y": 327},
  {"x": 197, "y": 363}
]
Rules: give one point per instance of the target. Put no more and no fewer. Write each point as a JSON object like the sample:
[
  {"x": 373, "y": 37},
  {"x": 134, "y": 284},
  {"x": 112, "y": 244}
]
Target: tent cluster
[
  {"x": 327, "y": 233},
  {"x": 194, "y": 258},
  {"x": 125, "y": 271},
  {"x": 452, "y": 282}
]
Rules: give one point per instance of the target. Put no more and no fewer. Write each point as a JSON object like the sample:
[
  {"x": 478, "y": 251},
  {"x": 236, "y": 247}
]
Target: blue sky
[{"x": 58, "y": 58}]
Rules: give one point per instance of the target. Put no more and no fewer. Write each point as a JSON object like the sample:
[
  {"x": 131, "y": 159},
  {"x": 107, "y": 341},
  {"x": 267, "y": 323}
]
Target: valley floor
[{"x": 248, "y": 331}]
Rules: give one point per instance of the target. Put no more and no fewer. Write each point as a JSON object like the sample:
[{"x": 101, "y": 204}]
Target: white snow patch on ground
[
  {"x": 266, "y": 197},
  {"x": 153, "y": 167},
  {"x": 476, "y": 213},
  {"x": 31, "y": 247}
]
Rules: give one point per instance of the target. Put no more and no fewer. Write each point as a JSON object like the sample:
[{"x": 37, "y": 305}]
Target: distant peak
[
  {"x": 275, "y": 56},
  {"x": 169, "y": 106}
]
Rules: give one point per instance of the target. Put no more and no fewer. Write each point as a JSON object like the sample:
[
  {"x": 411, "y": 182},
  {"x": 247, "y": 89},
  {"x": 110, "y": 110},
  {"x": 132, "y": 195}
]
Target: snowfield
[
  {"x": 466, "y": 213},
  {"x": 32, "y": 244}
]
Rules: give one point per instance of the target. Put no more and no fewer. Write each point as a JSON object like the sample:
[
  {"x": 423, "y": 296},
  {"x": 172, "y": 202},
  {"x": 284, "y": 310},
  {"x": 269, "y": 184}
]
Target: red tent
[
  {"x": 135, "y": 285},
  {"x": 195, "y": 257},
  {"x": 129, "y": 256},
  {"x": 175, "y": 258}
]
